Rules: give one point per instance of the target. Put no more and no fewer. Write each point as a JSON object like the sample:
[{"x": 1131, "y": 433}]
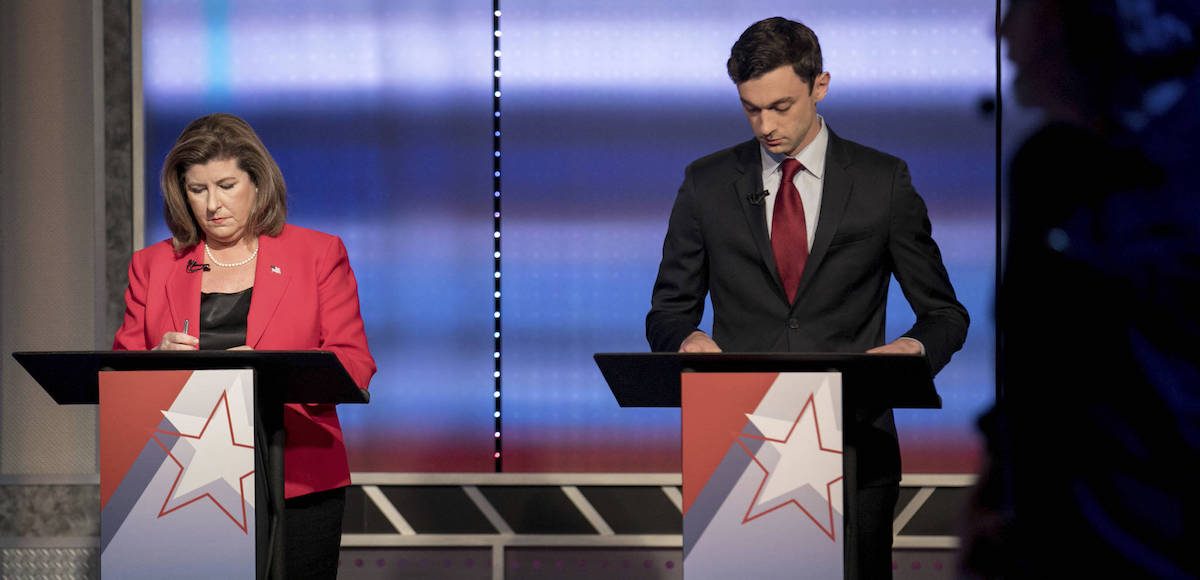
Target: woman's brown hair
[{"x": 213, "y": 138}]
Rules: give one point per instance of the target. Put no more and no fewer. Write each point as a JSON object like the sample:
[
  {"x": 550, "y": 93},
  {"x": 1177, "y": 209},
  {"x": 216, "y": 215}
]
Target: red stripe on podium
[
  {"x": 131, "y": 406},
  {"x": 714, "y": 413}
]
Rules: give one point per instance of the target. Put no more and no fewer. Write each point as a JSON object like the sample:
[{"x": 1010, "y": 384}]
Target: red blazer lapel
[
  {"x": 271, "y": 278},
  {"x": 183, "y": 293}
]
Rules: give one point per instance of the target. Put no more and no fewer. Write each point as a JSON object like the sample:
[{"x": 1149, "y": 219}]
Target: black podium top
[
  {"x": 305, "y": 376},
  {"x": 871, "y": 380}
]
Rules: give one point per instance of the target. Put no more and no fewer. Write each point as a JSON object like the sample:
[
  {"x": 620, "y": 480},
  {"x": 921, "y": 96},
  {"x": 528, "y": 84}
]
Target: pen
[{"x": 185, "y": 326}]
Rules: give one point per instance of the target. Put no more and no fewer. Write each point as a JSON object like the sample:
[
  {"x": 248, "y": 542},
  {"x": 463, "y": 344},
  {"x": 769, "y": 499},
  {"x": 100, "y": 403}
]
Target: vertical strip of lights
[{"x": 497, "y": 458}]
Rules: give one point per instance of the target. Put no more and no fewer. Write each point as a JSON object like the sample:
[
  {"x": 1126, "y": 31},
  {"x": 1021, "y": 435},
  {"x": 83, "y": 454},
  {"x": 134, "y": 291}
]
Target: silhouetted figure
[{"x": 1094, "y": 448}]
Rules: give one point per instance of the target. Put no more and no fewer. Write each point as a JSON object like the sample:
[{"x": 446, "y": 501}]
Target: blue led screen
[
  {"x": 380, "y": 115},
  {"x": 371, "y": 110}
]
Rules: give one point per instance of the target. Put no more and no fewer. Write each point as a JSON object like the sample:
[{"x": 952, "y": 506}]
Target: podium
[
  {"x": 190, "y": 441},
  {"x": 767, "y": 482}
]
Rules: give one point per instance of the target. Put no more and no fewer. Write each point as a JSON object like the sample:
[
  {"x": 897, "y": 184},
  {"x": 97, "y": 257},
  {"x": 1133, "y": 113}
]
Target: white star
[
  {"x": 218, "y": 465},
  {"x": 185, "y": 423},
  {"x": 217, "y": 456},
  {"x": 798, "y": 469}
]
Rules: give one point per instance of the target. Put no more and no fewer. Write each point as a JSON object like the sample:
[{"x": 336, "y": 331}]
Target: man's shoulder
[
  {"x": 748, "y": 154},
  {"x": 849, "y": 152},
  {"x": 742, "y": 154}
]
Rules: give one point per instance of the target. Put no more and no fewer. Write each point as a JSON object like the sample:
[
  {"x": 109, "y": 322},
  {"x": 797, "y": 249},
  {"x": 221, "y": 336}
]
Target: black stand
[
  {"x": 872, "y": 382},
  {"x": 71, "y": 378}
]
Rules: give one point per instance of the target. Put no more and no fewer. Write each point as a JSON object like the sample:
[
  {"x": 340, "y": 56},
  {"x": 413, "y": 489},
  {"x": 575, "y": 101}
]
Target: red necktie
[{"x": 789, "y": 232}]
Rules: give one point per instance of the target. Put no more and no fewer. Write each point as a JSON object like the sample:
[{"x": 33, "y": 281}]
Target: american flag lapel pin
[{"x": 276, "y": 270}]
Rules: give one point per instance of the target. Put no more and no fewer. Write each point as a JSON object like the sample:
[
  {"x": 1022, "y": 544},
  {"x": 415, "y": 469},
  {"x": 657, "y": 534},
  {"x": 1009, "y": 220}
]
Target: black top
[{"x": 223, "y": 319}]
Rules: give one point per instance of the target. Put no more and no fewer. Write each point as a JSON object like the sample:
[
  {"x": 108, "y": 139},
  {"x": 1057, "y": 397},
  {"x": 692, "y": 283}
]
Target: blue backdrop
[{"x": 380, "y": 115}]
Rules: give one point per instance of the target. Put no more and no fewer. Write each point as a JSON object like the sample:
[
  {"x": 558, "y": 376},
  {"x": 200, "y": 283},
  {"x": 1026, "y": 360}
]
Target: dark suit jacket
[
  {"x": 305, "y": 297},
  {"x": 872, "y": 225}
]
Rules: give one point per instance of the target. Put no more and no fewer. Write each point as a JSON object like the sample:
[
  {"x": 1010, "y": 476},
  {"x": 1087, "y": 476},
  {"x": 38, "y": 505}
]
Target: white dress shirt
[{"x": 809, "y": 182}]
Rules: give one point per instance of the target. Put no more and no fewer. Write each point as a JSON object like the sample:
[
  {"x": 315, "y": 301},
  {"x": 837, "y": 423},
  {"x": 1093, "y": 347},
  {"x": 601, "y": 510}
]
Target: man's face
[{"x": 782, "y": 109}]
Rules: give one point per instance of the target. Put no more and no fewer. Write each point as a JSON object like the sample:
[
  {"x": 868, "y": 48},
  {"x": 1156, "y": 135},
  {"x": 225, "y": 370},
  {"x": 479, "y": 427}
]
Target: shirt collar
[{"x": 812, "y": 157}]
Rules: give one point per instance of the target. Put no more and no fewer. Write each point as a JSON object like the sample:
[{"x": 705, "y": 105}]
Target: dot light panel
[{"x": 379, "y": 114}]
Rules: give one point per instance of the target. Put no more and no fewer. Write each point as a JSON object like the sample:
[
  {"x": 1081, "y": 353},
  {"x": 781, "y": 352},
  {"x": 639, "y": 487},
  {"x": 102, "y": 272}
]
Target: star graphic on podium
[
  {"x": 797, "y": 469},
  {"x": 218, "y": 467}
]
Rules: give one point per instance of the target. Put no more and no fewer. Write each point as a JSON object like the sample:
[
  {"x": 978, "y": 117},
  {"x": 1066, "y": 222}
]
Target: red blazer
[{"x": 305, "y": 297}]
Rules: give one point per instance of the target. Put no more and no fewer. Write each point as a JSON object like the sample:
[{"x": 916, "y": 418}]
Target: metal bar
[
  {"x": 49, "y": 542},
  {"x": 523, "y": 541},
  {"x": 910, "y": 510},
  {"x": 456, "y": 479},
  {"x": 497, "y": 562},
  {"x": 586, "y": 508},
  {"x": 674, "y": 495},
  {"x": 389, "y": 511},
  {"x": 488, "y": 510},
  {"x": 925, "y": 543},
  {"x": 51, "y": 479},
  {"x": 938, "y": 480}
]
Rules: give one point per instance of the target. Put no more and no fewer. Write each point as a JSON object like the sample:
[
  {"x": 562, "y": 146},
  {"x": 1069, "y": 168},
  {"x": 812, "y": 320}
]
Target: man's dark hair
[{"x": 772, "y": 43}]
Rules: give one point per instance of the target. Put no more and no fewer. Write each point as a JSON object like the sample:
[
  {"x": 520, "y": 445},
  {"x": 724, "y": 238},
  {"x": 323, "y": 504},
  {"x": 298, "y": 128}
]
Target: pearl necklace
[{"x": 213, "y": 259}]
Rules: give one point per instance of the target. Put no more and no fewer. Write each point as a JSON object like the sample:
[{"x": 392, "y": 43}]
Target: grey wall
[
  {"x": 54, "y": 271},
  {"x": 119, "y": 137},
  {"x": 66, "y": 164}
]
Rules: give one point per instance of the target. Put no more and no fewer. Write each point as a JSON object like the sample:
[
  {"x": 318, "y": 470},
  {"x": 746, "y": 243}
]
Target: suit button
[{"x": 793, "y": 323}]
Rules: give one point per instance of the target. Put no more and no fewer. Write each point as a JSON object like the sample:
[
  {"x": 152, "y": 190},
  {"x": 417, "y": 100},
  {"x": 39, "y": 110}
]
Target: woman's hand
[
  {"x": 243, "y": 347},
  {"x": 178, "y": 341}
]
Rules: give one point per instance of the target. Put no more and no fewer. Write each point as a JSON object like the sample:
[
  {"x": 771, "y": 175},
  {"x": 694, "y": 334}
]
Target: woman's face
[{"x": 221, "y": 196}]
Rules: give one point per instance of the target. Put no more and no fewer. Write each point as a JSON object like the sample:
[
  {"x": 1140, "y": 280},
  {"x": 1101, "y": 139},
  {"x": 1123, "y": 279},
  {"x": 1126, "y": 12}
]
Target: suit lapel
[
  {"x": 183, "y": 293},
  {"x": 749, "y": 184},
  {"x": 272, "y": 275},
  {"x": 835, "y": 194}
]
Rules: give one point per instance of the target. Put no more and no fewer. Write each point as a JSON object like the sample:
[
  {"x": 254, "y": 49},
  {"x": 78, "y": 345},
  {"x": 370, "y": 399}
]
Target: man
[{"x": 803, "y": 264}]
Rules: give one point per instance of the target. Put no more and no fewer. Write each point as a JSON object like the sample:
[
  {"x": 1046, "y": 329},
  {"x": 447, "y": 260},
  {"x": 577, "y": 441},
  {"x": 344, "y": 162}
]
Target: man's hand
[
  {"x": 699, "y": 342},
  {"x": 902, "y": 345}
]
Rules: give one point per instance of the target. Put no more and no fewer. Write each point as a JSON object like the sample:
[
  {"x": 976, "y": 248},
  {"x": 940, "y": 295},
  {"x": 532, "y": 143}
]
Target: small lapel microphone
[
  {"x": 194, "y": 266},
  {"x": 757, "y": 198}
]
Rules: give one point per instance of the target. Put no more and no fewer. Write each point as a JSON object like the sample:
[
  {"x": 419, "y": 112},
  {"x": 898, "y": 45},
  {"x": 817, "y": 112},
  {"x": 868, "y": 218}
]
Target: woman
[{"x": 235, "y": 276}]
